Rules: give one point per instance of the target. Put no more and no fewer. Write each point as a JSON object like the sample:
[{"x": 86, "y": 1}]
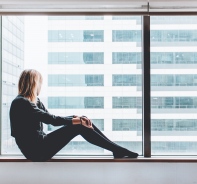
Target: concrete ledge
[
  {"x": 99, "y": 171},
  {"x": 103, "y": 159}
]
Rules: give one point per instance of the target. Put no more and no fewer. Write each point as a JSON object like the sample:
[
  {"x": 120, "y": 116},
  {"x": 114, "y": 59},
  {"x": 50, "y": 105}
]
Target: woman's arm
[
  {"x": 37, "y": 114},
  {"x": 74, "y": 118},
  {"x": 41, "y": 106}
]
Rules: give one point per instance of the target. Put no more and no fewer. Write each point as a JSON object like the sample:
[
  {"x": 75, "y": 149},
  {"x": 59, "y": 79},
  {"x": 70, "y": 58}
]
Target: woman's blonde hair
[{"x": 27, "y": 82}]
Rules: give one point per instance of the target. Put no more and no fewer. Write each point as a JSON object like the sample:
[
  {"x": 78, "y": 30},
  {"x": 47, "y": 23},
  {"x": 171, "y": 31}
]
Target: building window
[
  {"x": 174, "y": 102},
  {"x": 75, "y": 80},
  {"x": 126, "y": 36},
  {"x": 126, "y": 58},
  {"x": 75, "y": 58},
  {"x": 169, "y": 125},
  {"x": 173, "y": 58},
  {"x": 127, "y": 80},
  {"x": 75, "y": 35},
  {"x": 127, "y": 125},
  {"x": 173, "y": 36},
  {"x": 174, "y": 80},
  {"x": 99, "y": 123},
  {"x": 93, "y": 36},
  {"x": 173, "y": 83},
  {"x": 127, "y": 102},
  {"x": 75, "y": 102}
]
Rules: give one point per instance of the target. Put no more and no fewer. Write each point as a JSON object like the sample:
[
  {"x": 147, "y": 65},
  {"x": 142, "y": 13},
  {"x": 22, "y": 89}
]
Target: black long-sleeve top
[{"x": 26, "y": 118}]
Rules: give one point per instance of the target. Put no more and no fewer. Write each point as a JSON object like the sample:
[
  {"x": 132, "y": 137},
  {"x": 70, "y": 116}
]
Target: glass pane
[
  {"x": 173, "y": 85},
  {"x": 91, "y": 65}
]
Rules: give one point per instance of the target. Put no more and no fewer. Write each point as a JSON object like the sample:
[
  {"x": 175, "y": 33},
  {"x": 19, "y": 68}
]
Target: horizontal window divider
[
  {"x": 97, "y": 13},
  {"x": 164, "y": 159}
]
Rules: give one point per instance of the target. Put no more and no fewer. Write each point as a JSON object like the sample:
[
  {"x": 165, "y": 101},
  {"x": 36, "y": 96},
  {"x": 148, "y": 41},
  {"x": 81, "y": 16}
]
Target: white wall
[{"x": 97, "y": 173}]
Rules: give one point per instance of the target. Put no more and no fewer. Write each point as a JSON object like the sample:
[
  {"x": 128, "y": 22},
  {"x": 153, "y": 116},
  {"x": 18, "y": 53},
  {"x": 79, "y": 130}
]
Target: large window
[
  {"x": 12, "y": 65},
  {"x": 89, "y": 68},
  {"x": 173, "y": 85}
]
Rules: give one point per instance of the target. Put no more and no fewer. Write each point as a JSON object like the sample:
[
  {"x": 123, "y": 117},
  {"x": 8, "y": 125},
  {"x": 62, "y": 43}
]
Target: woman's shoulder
[
  {"x": 20, "y": 99},
  {"x": 19, "y": 104}
]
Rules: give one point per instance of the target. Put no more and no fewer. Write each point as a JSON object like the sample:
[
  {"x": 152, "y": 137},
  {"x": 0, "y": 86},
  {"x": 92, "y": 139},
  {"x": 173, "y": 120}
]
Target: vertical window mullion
[
  {"x": 1, "y": 83},
  {"x": 146, "y": 110}
]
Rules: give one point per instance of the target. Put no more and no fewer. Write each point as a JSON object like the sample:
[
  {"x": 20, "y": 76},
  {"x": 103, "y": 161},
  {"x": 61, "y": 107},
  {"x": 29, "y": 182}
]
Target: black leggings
[{"x": 56, "y": 140}]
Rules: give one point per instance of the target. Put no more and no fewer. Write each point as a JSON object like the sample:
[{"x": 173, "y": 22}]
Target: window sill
[{"x": 103, "y": 159}]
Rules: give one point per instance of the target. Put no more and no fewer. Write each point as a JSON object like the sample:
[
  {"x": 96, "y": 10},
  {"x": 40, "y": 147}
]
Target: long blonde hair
[{"x": 27, "y": 83}]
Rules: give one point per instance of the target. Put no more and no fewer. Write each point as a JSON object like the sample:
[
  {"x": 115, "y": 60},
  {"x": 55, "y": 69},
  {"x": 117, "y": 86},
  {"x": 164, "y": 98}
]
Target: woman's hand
[
  {"x": 86, "y": 122},
  {"x": 83, "y": 120}
]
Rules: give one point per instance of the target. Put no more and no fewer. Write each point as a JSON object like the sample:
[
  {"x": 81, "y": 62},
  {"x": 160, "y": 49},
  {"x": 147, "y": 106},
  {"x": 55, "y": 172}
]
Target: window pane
[
  {"x": 12, "y": 65},
  {"x": 75, "y": 80},
  {"x": 75, "y": 57},
  {"x": 86, "y": 71},
  {"x": 173, "y": 85}
]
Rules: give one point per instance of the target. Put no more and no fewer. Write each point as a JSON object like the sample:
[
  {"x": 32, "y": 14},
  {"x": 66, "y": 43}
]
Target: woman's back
[{"x": 21, "y": 120}]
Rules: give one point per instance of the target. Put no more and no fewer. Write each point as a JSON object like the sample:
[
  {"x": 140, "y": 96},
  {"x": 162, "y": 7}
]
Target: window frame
[
  {"x": 146, "y": 98},
  {"x": 1, "y": 83}
]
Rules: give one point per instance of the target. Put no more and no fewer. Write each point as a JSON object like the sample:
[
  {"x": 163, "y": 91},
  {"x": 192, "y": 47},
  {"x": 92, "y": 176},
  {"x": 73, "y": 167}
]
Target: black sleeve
[
  {"x": 41, "y": 106},
  {"x": 44, "y": 116}
]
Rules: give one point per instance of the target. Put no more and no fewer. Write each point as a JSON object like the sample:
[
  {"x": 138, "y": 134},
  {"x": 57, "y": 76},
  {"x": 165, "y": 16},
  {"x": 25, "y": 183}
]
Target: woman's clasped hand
[{"x": 84, "y": 121}]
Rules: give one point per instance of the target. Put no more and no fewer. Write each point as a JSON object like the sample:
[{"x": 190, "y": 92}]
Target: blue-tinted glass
[
  {"x": 93, "y": 57},
  {"x": 93, "y": 36},
  {"x": 75, "y": 80},
  {"x": 126, "y": 57},
  {"x": 130, "y": 145},
  {"x": 127, "y": 125},
  {"x": 174, "y": 102},
  {"x": 75, "y": 102},
  {"x": 126, "y": 36},
  {"x": 173, "y": 80},
  {"x": 126, "y": 80},
  {"x": 75, "y": 58},
  {"x": 173, "y": 57},
  {"x": 75, "y": 36},
  {"x": 172, "y": 125},
  {"x": 173, "y": 36},
  {"x": 126, "y": 102},
  {"x": 99, "y": 123}
]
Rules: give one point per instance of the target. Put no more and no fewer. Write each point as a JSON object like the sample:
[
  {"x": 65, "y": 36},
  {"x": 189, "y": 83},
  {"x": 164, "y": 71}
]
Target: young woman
[{"x": 27, "y": 113}]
